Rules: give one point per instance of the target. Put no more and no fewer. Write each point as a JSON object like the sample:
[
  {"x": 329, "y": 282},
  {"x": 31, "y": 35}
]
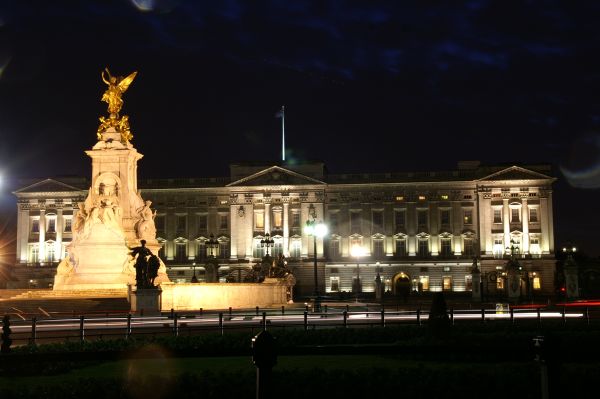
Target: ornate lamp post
[
  {"x": 513, "y": 270},
  {"x": 211, "y": 263},
  {"x": 571, "y": 273},
  {"x": 315, "y": 229},
  {"x": 212, "y": 244},
  {"x": 357, "y": 251},
  {"x": 194, "y": 278},
  {"x": 267, "y": 242}
]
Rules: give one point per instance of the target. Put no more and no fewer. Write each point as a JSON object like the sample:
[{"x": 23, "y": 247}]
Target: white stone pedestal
[{"x": 146, "y": 302}]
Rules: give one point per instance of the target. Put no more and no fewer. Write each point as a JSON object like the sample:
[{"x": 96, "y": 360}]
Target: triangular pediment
[
  {"x": 275, "y": 176},
  {"x": 48, "y": 186},
  {"x": 515, "y": 173}
]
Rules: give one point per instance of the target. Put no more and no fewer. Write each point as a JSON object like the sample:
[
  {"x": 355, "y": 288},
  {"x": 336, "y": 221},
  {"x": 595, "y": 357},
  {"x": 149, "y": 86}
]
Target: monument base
[{"x": 146, "y": 302}]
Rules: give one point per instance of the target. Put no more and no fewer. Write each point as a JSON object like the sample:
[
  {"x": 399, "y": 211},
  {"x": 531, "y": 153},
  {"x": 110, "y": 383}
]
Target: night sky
[{"x": 368, "y": 87}]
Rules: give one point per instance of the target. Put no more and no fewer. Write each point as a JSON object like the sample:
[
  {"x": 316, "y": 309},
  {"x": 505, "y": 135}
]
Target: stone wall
[{"x": 189, "y": 296}]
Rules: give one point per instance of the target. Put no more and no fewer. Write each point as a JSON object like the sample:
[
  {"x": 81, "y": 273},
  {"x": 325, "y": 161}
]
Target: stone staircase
[
  {"x": 50, "y": 294},
  {"x": 46, "y": 303},
  {"x": 63, "y": 307}
]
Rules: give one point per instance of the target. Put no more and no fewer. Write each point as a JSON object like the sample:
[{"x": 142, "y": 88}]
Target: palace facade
[{"x": 418, "y": 231}]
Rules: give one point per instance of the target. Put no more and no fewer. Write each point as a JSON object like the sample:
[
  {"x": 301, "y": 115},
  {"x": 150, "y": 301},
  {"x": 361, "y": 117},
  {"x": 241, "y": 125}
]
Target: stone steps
[
  {"x": 57, "y": 308},
  {"x": 94, "y": 293}
]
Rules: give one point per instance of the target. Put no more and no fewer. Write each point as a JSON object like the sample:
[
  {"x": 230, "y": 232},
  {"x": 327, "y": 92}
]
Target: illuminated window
[
  {"x": 515, "y": 215},
  {"x": 277, "y": 219},
  {"x": 468, "y": 216},
  {"x": 537, "y": 284},
  {"x": 67, "y": 225},
  {"x": 277, "y": 248},
  {"x": 50, "y": 255},
  {"x": 533, "y": 215},
  {"x": 498, "y": 248},
  {"x": 445, "y": 216},
  {"x": 500, "y": 283},
  {"x": 421, "y": 198},
  {"x": 51, "y": 228},
  {"x": 424, "y": 283},
  {"x": 35, "y": 225},
  {"x": 259, "y": 220},
  {"x": 34, "y": 253},
  {"x": 334, "y": 284},
  {"x": 469, "y": 282},
  {"x": 497, "y": 215},
  {"x": 447, "y": 283},
  {"x": 399, "y": 198},
  {"x": 444, "y": 197}
]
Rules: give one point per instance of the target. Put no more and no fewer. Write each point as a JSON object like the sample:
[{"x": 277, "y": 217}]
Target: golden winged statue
[{"x": 117, "y": 85}]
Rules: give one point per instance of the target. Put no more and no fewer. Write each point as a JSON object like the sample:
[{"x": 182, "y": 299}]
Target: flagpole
[{"x": 283, "y": 133}]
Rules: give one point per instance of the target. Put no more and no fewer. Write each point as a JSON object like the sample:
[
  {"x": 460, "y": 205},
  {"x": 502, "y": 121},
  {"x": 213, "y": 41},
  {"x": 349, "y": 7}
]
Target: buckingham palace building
[{"x": 417, "y": 231}]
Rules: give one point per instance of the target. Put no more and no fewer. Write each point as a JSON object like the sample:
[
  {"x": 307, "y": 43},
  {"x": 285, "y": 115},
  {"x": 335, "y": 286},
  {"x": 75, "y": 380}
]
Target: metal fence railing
[{"x": 59, "y": 328}]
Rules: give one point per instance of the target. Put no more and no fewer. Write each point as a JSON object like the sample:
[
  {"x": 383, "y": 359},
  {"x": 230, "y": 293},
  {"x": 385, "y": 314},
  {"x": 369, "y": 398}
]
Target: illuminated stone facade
[{"x": 419, "y": 231}]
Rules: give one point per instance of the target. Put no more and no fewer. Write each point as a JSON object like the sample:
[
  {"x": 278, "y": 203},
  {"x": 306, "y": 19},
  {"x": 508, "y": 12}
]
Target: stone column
[
  {"x": 267, "y": 218},
  {"x": 42, "y": 244},
  {"x": 485, "y": 225},
  {"x": 544, "y": 224},
  {"x": 525, "y": 219},
  {"x": 286, "y": 229},
  {"x": 23, "y": 232},
  {"x": 59, "y": 232},
  {"x": 411, "y": 229},
  {"x": 233, "y": 231},
  {"x": 550, "y": 224},
  {"x": 506, "y": 220}
]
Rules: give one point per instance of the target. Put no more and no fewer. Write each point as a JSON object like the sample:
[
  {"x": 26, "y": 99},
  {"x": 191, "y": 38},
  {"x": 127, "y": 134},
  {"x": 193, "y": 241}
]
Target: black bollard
[
  {"x": 264, "y": 321},
  {"x": 264, "y": 357},
  {"x": 128, "y": 333},
  {"x": 6, "y": 331},
  {"x": 33, "y": 330},
  {"x": 305, "y": 320},
  {"x": 81, "y": 328},
  {"x": 257, "y": 310}
]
